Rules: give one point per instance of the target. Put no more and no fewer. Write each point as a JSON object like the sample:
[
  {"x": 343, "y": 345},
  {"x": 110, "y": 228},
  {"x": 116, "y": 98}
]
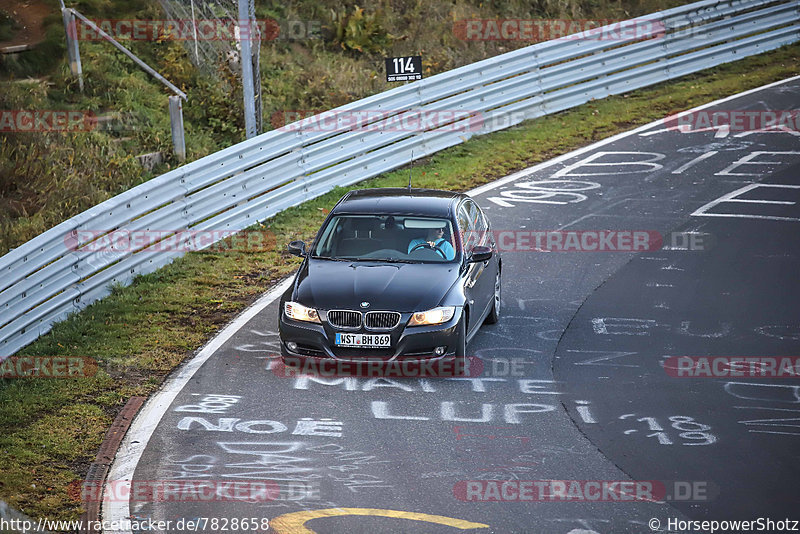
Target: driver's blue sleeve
[
  {"x": 448, "y": 249},
  {"x": 414, "y": 243}
]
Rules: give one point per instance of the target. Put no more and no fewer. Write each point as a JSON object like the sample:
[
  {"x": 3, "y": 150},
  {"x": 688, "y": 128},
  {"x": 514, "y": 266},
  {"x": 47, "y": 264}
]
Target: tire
[{"x": 494, "y": 313}]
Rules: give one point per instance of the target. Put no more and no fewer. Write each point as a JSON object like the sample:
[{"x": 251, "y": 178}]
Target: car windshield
[{"x": 392, "y": 238}]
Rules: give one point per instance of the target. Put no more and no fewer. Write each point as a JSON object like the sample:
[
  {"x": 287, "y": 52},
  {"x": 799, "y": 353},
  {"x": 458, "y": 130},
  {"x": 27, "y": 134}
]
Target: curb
[{"x": 98, "y": 469}]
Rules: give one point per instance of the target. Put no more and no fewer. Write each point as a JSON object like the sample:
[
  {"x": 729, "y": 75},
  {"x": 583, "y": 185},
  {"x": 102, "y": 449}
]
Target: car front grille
[
  {"x": 375, "y": 320},
  {"x": 381, "y": 320},
  {"x": 355, "y": 354},
  {"x": 344, "y": 318}
]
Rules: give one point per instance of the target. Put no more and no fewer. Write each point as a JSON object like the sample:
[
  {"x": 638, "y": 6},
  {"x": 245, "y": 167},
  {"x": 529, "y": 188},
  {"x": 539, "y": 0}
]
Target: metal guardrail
[
  {"x": 44, "y": 280},
  {"x": 14, "y": 522}
]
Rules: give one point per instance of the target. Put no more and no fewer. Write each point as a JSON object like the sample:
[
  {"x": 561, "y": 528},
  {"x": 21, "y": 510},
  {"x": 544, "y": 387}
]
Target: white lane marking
[
  {"x": 608, "y": 355},
  {"x": 770, "y": 130},
  {"x": 750, "y": 159},
  {"x": 731, "y": 198},
  {"x": 529, "y": 171},
  {"x": 648, "y": 164},
  {"x": 539, "y": 191},
  {"x": 696, "y": 160},
  {"x": 583, "y": 411},
  {"x": 140, "y": 432},
  {"x": 143, "y": 426}
]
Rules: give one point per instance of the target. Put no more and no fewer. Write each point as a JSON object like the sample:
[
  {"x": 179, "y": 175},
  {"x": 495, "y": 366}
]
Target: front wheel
[{"x": 494, "y": 313}]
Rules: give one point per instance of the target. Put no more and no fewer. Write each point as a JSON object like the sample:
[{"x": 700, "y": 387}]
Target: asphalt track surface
[{"x": 588, "y": 397}]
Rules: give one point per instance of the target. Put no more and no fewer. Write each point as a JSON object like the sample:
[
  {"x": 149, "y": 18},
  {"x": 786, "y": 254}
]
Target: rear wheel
[{"x": 494, "y": 313}]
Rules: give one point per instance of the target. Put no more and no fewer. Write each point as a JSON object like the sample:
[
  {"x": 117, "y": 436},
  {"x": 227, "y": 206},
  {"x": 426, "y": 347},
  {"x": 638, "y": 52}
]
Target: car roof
[{"x": 399, "y": 201}]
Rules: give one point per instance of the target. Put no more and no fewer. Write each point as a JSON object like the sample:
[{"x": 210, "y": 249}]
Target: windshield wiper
[
  {"x": 329, "y": 258},
  {"x": 351, "y": 258},
  {"x": 383, "y": 260}
]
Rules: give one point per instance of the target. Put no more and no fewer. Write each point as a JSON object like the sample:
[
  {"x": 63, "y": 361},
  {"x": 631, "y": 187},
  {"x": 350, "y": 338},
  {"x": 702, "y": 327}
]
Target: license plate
[{"x": 363, "y": 340}]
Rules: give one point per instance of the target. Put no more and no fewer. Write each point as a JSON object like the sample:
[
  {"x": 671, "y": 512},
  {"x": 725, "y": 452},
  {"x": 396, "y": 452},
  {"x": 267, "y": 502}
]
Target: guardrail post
[
  {"x": 247, "y": 30},
  {"x": 176, "y": 121},
  {"x": 73, "y": 52},
  {"x": 256, "y": 54}
]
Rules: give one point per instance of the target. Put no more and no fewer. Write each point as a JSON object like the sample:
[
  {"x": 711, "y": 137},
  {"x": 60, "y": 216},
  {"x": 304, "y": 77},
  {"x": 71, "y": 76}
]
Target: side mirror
[
  {"x": 480, "y": 253},
  {"x": 297, "y": 248}
]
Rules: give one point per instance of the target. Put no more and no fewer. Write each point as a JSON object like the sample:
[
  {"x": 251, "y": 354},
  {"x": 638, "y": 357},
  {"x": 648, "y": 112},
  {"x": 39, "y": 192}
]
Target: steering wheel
[{"x": 428, "y": 245}]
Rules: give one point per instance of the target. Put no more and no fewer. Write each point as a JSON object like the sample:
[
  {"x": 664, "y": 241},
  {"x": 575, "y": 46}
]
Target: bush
[{"x": 360, "y": 31}]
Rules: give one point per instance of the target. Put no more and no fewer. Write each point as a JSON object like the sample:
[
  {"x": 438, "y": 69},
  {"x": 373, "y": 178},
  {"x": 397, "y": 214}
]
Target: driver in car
[{"x": 435, "y": 241}]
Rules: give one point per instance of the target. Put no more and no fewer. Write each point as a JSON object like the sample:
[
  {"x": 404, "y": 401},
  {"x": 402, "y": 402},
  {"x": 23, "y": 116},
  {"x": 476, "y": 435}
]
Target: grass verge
[{"x": 51, "y": 428}]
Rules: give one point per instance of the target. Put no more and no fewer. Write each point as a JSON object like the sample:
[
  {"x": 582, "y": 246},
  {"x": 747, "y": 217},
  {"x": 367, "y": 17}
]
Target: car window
[
  {"x": 484, "y": 220},
  {"x": 463, "y": 220},
  {"x": 399, "y": 238},
  {"x": 472, "y": 224}
]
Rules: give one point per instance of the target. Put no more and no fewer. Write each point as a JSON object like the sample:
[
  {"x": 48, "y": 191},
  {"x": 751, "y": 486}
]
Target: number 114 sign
[{"x": 403, "y": 69}]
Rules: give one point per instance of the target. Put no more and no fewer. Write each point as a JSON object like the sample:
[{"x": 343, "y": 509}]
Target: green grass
[
  {"x": 8, "y": 27},
  {"x": 51, "y": 428}
]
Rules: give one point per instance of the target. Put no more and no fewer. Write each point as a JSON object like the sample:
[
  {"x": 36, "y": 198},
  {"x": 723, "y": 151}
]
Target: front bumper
[{"x": 415, "y": 343}]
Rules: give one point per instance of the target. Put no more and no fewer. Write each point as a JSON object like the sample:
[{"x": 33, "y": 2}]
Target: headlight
[
  {"x": 298, "y": 312},
  {"x": 434, "y": 316}
]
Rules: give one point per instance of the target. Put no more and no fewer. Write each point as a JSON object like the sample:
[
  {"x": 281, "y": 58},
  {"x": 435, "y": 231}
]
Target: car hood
[{"x": 403, "y": 287}]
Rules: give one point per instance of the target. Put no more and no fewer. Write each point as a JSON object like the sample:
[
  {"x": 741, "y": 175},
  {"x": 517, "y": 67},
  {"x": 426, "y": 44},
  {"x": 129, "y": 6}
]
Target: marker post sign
[{"x": 403, "y": 69}]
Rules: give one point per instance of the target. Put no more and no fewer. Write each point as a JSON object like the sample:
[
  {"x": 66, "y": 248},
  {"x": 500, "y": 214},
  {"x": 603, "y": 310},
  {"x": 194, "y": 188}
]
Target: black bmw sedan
[{"x": 393, "y": 274}]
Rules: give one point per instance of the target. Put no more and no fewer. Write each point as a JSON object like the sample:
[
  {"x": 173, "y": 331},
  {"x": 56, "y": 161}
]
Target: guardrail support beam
[
  {"x": 71, "y": 29},
  {"x": 176, "y": 121}
]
